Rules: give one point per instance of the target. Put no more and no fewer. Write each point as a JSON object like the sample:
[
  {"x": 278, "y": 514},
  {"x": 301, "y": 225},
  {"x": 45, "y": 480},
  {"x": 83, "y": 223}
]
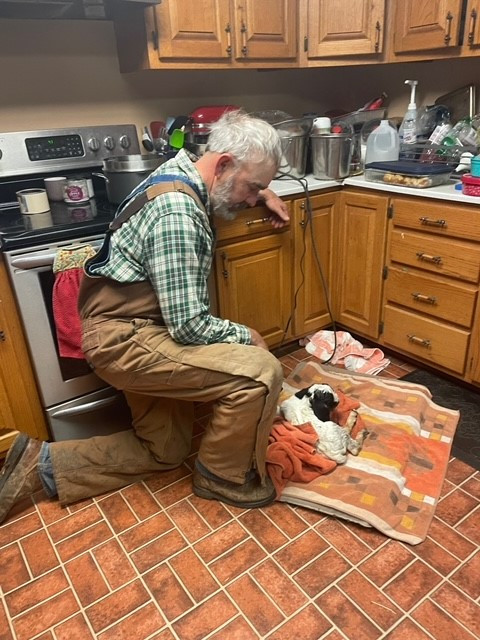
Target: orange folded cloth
[{"x": 291, "y": 455}]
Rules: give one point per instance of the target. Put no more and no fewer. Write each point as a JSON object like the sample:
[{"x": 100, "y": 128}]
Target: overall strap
[{"x": 157, "y": 186}]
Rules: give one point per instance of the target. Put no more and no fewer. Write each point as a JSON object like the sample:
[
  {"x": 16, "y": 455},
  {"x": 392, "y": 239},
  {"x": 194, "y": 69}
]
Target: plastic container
[
  {"x": 383, "y": 144},
  {"x": 408, "y": 128},
  {"x": 321, "y": 125},
  {"x": 407, "y": 174},
  {"x": 470, "y": 185},
  {"x": 475, "y": 166}
]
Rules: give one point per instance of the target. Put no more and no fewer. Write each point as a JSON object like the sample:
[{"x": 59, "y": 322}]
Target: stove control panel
[{"x": 28, "y": 152}]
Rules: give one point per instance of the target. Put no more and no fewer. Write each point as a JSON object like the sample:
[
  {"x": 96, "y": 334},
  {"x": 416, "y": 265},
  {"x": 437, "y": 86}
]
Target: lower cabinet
[
  {"x": 313, "y": 235},
  {"x": 254, "y": 274},
  {"x": 432, "y": 281},
  {"x": 359, "y": 258},
  {"x": 20, "y": 407}
]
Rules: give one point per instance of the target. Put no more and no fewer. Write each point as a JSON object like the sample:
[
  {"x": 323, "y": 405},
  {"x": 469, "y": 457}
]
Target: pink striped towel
[{"x": 350, "y": 352}]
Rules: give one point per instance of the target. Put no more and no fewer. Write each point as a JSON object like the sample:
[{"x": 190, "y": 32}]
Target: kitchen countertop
[
  {"x": 284, "y": 187},
  {"x": 444, "y": 192}
]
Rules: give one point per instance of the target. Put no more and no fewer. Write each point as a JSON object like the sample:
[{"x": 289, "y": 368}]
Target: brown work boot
[
  {"x": 19, "y": 475},
  {"x": 249, "y": 495}
]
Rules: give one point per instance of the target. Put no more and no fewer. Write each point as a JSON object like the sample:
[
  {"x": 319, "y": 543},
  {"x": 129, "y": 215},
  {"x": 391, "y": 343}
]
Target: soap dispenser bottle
[{"x": 408, "y": 128}]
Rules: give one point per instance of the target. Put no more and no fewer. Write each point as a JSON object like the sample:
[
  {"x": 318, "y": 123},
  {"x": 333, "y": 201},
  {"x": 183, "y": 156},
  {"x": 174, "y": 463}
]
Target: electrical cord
[{"x": 309, "y": 223}]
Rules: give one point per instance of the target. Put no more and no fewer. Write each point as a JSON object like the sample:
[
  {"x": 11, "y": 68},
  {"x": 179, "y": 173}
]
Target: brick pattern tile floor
[{"x": 154, "y": 562}]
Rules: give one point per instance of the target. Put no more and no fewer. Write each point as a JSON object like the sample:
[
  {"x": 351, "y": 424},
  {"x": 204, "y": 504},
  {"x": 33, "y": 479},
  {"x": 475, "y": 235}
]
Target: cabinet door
[
  {"x": 426, "y": 24},
  {"x": 265, "y": 30},
  {"x": 19, "y": 401},
  {"x": 345, "y": 27},
  {"x": 254, "y": 284},
  {"x": 313, "y": 250},
  {"x": 472, "y": 25},
  {"x": 195, "y": 30},
  {"x": 359, "y": 259}
]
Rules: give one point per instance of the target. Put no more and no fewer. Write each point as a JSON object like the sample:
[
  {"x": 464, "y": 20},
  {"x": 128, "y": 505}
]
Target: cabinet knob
[
  {"x": 419, "y": 297},
  {"x": 428, "y": 258},
  {"x": 423, "y": 342},
  {"x": 433, "y": 223},
  {"x": 2, "y": 336}
]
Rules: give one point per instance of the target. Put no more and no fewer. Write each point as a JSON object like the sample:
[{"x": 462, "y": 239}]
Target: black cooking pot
[{"x": 123, "y": 173}]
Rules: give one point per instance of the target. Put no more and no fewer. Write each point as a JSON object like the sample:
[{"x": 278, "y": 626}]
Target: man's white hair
[{"x": 248, "y": 139}]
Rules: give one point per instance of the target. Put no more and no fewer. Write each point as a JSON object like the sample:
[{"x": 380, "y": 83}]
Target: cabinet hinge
[
  {"x": 155, "y": 40},
  {"x": 390, "y": 211},
  {"x": 2, "y": 336},
  {"x": 380, "y": 328},
  {"x": 305, "y": 43},
  {"x": 385, "y": 272}
]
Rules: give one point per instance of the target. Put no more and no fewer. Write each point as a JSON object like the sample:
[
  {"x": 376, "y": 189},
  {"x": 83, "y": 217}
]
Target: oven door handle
[
  {"x": 84, "y": 408},
  {"x": 42, "y": 260}
]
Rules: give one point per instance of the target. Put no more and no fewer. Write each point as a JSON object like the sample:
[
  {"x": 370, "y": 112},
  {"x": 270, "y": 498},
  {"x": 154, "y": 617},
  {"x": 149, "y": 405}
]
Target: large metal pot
[
  {"x": 123, "y": 173},
  {"x": 331, "y": 155},
  {"x": 294, "y": 140}
]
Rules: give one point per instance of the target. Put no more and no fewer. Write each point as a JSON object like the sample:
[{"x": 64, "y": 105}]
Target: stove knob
[
  {"x": 93, "y": 144},
  {"x": 125, "y": 142},
  {"x": 109, "y": 143}
]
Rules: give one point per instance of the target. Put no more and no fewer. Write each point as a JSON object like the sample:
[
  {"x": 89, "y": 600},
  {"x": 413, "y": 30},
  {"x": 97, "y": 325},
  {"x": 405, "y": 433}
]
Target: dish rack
[{"x": 435, "y": 154}]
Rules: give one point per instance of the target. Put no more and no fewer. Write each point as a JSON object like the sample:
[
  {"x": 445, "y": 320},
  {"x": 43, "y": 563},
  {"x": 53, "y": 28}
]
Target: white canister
[
  {"x": 55, "y": 187},
  {"x": 33, "y": 200},
  {"x": 75, "y": 191}
]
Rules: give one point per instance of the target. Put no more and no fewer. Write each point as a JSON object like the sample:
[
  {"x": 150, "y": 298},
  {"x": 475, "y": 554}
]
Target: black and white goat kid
[{"x": 314, "y": 404}]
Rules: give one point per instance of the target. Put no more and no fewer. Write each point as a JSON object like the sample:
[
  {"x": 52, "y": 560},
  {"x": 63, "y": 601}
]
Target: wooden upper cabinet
[
  {"x": 200, "y": 30},
  {"x": 471, "y": 38},
  {"x": 265, "y": 30},
  {"x": 345, "y": 27},
  {"x": 422, "y": 25}
]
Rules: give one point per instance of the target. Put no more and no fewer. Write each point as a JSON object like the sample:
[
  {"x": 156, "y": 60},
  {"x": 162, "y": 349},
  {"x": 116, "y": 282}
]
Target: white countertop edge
[
  {"x": 443, "y": 192},
  {"x": 448, "y": 192},
  {"x": 284, "y": 187}
]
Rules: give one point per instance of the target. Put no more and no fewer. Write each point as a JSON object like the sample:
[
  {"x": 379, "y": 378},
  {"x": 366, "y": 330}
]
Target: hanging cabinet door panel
[
  {"x": 266, "y": 29},
  {"x": 199, "y": 30},
  {"x": 313, "y": 247},
  {"x": 254, "y": 284},
  {"x": 472, "y": 25},
  {"x": 421, "y": 25},
  {"x": 361, "y": 229},
  {"x": 345, "y": 27}
]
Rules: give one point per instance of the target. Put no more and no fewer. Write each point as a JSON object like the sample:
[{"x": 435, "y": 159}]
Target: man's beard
[{"x": 220, "y": 198}]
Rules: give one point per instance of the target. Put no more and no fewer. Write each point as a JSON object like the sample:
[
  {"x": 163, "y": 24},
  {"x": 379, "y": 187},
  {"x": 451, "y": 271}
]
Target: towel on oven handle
[{"x": 68, "y": 270}]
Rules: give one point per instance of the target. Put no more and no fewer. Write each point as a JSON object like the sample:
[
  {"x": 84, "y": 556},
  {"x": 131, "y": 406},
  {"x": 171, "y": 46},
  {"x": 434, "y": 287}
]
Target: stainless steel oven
[{"x": 77, "y": 403}]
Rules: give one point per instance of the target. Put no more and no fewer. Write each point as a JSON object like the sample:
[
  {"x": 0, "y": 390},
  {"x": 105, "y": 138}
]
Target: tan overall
[{"x": 128, "y": 347}]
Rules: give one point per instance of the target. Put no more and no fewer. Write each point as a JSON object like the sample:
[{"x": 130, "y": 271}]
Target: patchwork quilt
[{"x": 395, "y": 482}]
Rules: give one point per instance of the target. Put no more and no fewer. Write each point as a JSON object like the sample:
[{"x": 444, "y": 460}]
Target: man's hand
[
  {"x": 257, "y": 340},
  {"x": 279, "y": 211}
]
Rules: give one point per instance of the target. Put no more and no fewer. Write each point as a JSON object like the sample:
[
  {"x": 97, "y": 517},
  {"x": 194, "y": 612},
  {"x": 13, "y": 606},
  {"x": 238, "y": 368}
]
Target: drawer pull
[
  {"x": 420, "y": 341},
  {"x": 257, "y": 221},
  {"x": 433, "y": 223},
  {"x": 420, "y": 297},
  {"x": 428, "y": 258}
]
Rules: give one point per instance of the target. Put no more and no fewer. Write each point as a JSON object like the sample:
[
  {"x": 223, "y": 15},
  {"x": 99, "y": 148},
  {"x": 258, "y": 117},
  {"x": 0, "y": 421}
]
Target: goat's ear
[{"x": 302, "y": 393}]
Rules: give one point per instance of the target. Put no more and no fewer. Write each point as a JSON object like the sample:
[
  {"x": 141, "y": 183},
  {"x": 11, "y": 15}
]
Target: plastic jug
[{"x": 383, "y": 144}]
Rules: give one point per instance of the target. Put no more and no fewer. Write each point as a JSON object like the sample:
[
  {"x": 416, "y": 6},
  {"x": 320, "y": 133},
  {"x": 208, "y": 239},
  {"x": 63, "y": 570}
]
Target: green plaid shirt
[{"x": 170, "y": 242}]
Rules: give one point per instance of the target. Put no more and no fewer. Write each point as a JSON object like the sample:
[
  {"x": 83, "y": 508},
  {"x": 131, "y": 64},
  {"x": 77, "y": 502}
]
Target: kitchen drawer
[
  {"x": 444, "y": 256},
  {"x": 249, "y": 222},
  {"x": 434, "y": 342},
  {"x": 456, "y": 221},
  {"x": 449, "y": 301}
]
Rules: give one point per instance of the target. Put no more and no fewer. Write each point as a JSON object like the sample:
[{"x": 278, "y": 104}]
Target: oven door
[
  {"x": 31, "y": 271},
  {"x": 98, "y": 413}
]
